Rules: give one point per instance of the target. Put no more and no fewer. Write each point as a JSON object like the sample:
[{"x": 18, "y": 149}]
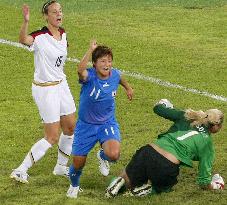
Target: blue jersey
[{"x": 97, "y": 97}]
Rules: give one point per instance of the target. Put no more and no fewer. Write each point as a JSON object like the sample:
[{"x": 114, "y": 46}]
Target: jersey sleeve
[
  {"x": 90, "y": 74},
  {"x": 206, "y": 158},
  {"x": 168, "y": 113},
  {"x": 117, "y": 73},
  {"x": 34, "y": 34}
]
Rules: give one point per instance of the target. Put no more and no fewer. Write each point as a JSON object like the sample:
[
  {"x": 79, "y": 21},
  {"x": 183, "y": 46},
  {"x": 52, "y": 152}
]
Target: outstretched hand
[{"x": 26, "y": 12}]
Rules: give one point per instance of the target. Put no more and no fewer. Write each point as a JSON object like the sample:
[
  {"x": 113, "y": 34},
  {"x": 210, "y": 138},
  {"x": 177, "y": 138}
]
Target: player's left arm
[
  {"x": 127, "y": 87},
  {"x": 204, "y": 175},
  {"x": 205, "y": 179}
]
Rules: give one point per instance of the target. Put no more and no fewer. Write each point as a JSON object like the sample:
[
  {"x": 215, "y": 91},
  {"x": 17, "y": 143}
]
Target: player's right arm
[
  {"x": 82, "y": 67},
  {"x": 165, "y": 109},
  {"x": 23, "y": 36}
]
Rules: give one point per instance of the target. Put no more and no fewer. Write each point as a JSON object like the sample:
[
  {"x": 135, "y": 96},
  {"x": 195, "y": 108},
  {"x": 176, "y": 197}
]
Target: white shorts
[{"x": 53, "y": 101}]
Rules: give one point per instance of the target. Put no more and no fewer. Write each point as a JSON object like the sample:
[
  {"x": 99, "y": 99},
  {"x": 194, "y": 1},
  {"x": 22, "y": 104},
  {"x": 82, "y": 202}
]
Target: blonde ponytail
[{"x": 210, "y": 117}]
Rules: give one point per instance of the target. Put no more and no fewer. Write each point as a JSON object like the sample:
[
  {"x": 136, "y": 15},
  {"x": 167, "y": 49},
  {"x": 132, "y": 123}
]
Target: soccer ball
[{"x": 217, "y": 182}]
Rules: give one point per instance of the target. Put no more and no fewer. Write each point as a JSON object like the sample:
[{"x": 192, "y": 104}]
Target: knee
[
  {"x": 113, "y": 155},
  {"x": 79, "y": 163},
  {"x": 69, "y": 130}
]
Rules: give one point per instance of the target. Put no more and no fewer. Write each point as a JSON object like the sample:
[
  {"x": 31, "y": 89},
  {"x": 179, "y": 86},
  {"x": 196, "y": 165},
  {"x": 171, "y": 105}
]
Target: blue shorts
[{"x": 87, "y": 135}]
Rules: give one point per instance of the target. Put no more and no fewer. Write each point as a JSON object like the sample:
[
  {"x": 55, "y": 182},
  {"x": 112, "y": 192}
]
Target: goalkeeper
[{"x": 188, "y": 139}]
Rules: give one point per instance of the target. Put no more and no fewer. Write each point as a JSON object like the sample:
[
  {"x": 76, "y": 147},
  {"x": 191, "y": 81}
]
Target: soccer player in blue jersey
[
  {"x": 188, "y": 139},
  {"x": 96, "y": 120}
]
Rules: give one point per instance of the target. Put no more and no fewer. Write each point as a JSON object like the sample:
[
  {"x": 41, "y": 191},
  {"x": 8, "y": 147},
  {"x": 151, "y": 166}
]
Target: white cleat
[
  {"x": 114, "y": 187},
  {"x": 104, "y": 166},
  {"x": 73, "y": 191},
  {"x": 19, "y": 176},
  {"x": 61, "y": 170}
]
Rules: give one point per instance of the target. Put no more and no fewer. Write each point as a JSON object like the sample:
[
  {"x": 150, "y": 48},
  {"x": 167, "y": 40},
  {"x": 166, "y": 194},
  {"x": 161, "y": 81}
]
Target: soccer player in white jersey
[{"x": 49, "y": 89}]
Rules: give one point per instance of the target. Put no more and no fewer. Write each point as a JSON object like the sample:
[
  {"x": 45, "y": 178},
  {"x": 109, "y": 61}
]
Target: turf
[{"x": 182, "y": 42}]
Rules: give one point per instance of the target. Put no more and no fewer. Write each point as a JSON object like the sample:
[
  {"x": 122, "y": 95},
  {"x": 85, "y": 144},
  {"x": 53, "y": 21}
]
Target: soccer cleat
[
  {"x": 73, "y": 191},
  {"x": 61, "y": 170},
  {"x": 19, "y": 176},
  {"x": 104, "y": 166},
  {"x": 143, "y": 190},
  {"x": 114, "y": 187}
]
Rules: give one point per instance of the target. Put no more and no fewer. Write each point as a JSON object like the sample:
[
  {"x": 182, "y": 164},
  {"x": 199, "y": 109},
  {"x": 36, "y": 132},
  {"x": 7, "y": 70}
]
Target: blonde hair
[{"x": 209, "y": 117}]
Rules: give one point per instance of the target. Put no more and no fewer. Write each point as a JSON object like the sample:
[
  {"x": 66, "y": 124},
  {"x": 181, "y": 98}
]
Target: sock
[
  {"x": 74, "y": 176},
  {"x": 37, "y": 151},
  {"x": 64, "y": 149},
  {"x": 104, "y": 157}
]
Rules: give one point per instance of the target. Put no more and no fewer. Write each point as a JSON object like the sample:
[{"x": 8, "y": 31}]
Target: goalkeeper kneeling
[{"x": 188, "y": 139}]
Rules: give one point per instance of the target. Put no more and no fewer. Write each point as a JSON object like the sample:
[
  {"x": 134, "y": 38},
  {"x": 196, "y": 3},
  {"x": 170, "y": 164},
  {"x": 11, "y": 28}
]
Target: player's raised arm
[
  {"x": 164, "y": 108},
  {"x": 82, "y": 67},
  {"x": 24, "y": 37},
  {"x": 127, "y": 87}
]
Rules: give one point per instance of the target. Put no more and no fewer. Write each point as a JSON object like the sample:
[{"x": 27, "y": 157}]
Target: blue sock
[
  {"x": 104, "y": 157},
  {"x": 74, "y": 176}
]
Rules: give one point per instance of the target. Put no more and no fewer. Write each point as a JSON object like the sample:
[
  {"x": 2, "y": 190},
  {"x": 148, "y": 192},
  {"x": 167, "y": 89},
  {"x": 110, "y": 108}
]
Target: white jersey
[{"x": 49, "y": 55}]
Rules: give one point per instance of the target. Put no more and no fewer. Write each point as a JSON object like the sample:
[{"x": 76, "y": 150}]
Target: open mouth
[
  {"x": 59, "y": 20},
  {"x": 106, "y": 69}
]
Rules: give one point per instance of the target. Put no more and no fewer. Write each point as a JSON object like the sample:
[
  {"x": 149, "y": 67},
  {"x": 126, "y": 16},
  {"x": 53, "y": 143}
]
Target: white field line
[
  {"x": 138, "y": 76},
  {"x": 15, "y": 44}
]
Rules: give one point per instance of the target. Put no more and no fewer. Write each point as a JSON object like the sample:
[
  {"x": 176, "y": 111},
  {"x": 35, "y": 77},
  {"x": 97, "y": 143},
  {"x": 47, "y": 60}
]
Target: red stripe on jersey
[
  {"x": 45, "y": 30},
  {"x": 38, "y": 33},
  {"x": 61, "y": 30}
]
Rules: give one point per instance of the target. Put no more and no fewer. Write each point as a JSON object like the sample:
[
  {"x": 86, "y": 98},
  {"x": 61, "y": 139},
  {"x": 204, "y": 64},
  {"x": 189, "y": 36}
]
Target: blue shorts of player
[{"x": 87, "y": 135}]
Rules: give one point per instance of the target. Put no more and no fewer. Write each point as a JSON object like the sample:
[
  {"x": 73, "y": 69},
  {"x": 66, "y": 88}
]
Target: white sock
[
  {"x": 64, "y": 149},
  {"x": 37, "y": 151}
]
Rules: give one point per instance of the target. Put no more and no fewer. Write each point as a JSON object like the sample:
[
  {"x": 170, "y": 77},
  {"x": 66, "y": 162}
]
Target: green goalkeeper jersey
[{"x": 187, "y": 143}]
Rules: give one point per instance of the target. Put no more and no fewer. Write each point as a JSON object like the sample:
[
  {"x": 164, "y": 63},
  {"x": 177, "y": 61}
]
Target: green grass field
[{"x": 180, "y": 41}]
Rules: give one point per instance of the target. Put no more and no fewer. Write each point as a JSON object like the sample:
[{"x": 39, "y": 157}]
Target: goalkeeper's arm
[{"x": 165, "y": 109}]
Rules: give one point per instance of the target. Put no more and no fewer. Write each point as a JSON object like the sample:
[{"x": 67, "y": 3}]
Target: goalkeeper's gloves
[
  {"x": 165, "y": 102},
  {"x": 217, "y": 182}
]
